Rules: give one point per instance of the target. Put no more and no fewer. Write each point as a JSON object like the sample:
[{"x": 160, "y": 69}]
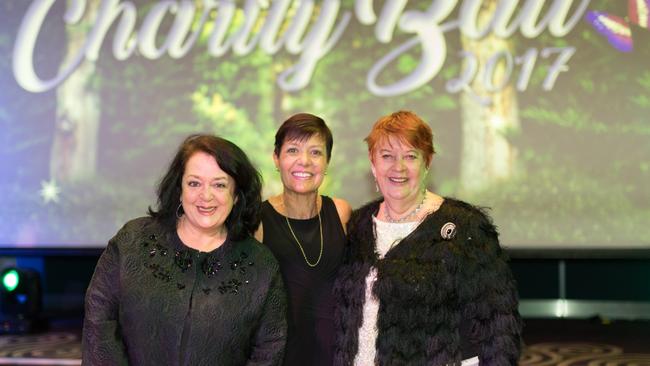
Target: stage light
[
  {"x": 20, "y": 300},
  {"x": 10, "y": 280}
]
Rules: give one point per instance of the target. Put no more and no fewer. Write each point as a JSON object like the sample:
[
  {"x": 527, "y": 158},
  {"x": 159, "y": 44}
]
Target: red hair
[{"x": 405, "y": 126}]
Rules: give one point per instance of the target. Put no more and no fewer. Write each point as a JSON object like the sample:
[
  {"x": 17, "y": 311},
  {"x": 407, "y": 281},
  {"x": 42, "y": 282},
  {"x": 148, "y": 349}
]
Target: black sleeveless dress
[{"x": 310, "y": 339}]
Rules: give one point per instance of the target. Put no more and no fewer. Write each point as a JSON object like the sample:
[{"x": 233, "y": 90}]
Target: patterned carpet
[
  {"x": 64, "y": 348},
  {"x": 580, "y": 354},
  {"x": 53, "y": 348}
]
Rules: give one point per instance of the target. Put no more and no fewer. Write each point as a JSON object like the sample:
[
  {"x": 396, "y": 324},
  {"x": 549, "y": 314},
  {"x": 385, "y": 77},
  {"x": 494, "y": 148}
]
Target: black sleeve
[
  {"x": 489, "y": 295},
  {"x": 271, "y": 335},
  {"x": 102, "y": 340}
]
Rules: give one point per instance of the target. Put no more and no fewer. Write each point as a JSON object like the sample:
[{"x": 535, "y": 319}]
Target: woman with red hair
[{"x": 425, "y": 281}]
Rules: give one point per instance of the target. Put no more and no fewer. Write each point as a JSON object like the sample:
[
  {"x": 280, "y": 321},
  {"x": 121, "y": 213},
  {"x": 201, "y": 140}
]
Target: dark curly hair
[{"x": 244, "y": 218}]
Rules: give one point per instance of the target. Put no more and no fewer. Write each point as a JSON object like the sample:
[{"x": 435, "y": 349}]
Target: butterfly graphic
[{"x": 617, "y": 30}]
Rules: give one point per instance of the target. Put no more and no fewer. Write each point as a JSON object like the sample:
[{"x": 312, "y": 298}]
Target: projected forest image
[{"x": 549, "y": 130}]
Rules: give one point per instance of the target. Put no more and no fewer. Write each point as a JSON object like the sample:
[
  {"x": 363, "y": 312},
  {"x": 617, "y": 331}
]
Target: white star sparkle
[{"x": 50, "y": 191}]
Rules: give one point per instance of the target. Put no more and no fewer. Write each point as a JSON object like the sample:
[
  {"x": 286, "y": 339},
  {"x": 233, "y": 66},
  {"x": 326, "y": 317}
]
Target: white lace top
[{"x": 388, "y": 235}]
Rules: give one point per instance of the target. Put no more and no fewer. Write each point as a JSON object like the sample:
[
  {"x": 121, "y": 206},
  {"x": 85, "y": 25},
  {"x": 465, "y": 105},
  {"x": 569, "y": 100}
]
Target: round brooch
[{"x": 448, "y": 231}]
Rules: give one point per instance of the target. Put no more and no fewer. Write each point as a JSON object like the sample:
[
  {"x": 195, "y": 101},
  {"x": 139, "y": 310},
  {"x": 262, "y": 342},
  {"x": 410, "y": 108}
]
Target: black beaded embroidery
[
  {"x": 158, "y": 249},
  {"x": 231, "y": 286},
  {"x": 183, "y": 259},
  {"x": 238, "y": 264},
  {"x": 210, "y": 266},
  {"x": 159, "y": 272}
]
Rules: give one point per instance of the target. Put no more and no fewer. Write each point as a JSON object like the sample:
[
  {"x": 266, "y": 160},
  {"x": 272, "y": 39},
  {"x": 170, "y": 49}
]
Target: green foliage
[
  {"x": 562, "y": 204},
  {"x": 644, "y": 80},
  {"x": 569, "y": 117}
]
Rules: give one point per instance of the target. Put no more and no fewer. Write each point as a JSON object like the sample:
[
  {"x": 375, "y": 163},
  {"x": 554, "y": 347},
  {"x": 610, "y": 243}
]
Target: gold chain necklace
[{"x": 320, "y": 225}]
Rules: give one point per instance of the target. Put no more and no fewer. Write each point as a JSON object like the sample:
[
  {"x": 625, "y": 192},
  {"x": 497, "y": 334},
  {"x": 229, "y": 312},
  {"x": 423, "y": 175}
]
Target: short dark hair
[
  {"x": 302, "y": 126},
  {"x": 244, "y": 218}
]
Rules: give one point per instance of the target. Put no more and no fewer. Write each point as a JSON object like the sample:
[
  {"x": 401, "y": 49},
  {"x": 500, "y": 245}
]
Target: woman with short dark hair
[
  {"x": 306, "y": 232},
  {"x": 189, "y": 285}
]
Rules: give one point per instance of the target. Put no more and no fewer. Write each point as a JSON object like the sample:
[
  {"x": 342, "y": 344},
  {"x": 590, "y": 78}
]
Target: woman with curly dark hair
[
  {"x": 189, "y": 285},
  {"x": 425, "y": 281}
]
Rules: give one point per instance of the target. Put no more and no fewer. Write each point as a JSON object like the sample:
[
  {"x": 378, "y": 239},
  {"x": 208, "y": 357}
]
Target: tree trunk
[
  {"x": 74, "y": 149},
  {"x": 487, "y": 156}
]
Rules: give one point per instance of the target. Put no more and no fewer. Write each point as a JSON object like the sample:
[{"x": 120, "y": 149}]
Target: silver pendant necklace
[{"x": 411, "y": 214}]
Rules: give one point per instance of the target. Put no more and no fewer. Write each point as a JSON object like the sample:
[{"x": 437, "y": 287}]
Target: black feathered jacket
[{"x": 436, "y": 295}]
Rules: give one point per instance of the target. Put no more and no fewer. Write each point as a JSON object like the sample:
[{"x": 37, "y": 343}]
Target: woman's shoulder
[
  {"x": 140, "y": 228},
  {"x": 144, "y": 224},
  {"x": 340, "y": 203},
  {"x": 273, "y": 201},
  {"x": 139, "y": 223},
  {"x": 367, "y": 209},
  {"x": 343, "y": 209},
  {"x": 362, "y": 217},
  {"x": 459, "y": 208},
  {"x": 471, "y": 221}
]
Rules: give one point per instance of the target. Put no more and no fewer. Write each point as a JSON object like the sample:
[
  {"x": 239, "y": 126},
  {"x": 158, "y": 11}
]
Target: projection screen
[{"x": 539, "y": 108}]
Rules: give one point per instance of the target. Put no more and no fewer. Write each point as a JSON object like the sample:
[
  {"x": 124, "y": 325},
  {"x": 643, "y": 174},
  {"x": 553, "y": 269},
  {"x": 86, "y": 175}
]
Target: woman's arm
[
  {"x": 489, "y": 295},
  {"x": 344, "y": 210},
  {"x": 259, "y": 233},
  {"x": 271, "y": 335},
  {"x": 102, "y": 341}
]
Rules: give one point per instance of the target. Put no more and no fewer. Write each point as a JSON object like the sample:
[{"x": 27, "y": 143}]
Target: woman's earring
[
  {"x": 178, "y": 210},
  {"x": 376, "y": 186}
]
